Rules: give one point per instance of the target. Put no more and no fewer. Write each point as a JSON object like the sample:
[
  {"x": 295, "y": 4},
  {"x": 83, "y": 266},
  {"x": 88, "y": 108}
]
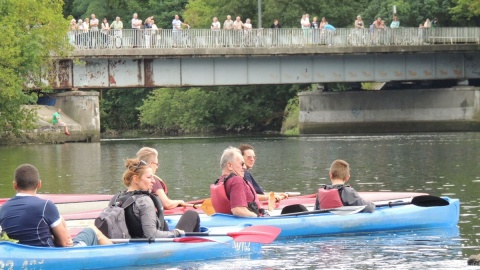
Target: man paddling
[
  {"x": 37, "y": 222},
  {"x": 338, "y": 194}
]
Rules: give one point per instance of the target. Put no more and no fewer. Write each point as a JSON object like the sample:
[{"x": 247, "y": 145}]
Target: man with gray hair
[{"x": 231, "y": 193}]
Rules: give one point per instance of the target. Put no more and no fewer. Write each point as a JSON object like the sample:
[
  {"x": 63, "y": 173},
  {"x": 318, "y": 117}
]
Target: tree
[
  {"x": 466, "y": 10},
  {"x": 119, "y": 108},
  {"x": 237, "y": 108},
  {"x": 28, "y": 37}
]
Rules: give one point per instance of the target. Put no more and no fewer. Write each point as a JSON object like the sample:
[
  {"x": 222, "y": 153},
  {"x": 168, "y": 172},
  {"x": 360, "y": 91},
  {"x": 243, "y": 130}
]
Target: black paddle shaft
[{"x": 422, "y": 201}]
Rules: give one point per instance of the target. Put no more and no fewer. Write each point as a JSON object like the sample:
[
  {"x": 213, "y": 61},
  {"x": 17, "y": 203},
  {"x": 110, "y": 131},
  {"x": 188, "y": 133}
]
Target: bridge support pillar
[
  {"x": 82, "y": 107},
  {"x": 392, "y": 111}
]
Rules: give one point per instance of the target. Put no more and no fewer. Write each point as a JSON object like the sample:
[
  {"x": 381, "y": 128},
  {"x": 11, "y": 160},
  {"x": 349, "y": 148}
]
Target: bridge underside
[{"x": 127, "y": 72}]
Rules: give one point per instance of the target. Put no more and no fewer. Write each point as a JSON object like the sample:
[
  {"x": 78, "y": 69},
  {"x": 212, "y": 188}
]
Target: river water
[{"x": 442, "y": 164}]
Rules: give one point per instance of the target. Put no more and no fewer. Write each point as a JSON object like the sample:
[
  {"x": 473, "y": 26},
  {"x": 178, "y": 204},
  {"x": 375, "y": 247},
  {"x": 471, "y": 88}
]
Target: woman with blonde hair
[
  {"x": 145, "y": 217},
  {"x": 160, "y": 188}
]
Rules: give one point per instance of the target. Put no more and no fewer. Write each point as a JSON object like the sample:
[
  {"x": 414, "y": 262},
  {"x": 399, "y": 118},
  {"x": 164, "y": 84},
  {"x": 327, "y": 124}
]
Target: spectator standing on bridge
[
  {"x": 426, "y": 30},
  {"x": 323, "y": 22},
  {"x": 215, "y": 27},
  {"x": 228, "y": 30},
  {"x": 148, "y": 31},
  {"x": 177, "y": 28},
  {"x": 72, "y": 31},
  {"x": 248, "y": 32},
  {"x": 105, "y": 32},
  {"x": 275, "y": 26},
  {"x": 154, "y": 33},
  {"x": 394, "y": 25},
  {"x": 330, "y": 32},
  {"x": 86, "y": 25},
  {"x": 238, "y": 27},
  {"x": 94, "y": 31},
  {"x": 305, "y": 25},
  {"x": 315, "y": 25},
  {"x": 117, "y": 27},
  {"x": 136, "y": 26},
  {"x": 358, "y": 24}
]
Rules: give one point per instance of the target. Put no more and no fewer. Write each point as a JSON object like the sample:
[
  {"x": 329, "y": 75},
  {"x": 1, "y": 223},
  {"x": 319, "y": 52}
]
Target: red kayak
[{"x": 307, "y": 200}]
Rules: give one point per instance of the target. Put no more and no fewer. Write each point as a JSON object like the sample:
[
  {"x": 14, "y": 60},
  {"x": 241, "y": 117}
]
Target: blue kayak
[
  {"x": 395, "y": 218},
  {"x": 16, "y": 256}
]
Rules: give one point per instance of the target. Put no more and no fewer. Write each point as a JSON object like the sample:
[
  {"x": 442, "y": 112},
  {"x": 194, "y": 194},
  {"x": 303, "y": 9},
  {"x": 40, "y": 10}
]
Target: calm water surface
[{"x": 441, "y": 164}]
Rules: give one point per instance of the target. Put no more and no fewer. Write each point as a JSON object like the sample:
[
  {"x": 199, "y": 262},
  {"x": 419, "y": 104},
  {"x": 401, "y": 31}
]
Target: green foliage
[
  {"x": 247, "y": 108},
  {"x": 466, "y": 11},
  {"x": 28, "y": 37},
  {"x": 118, "y": 108},
  {"x": 290, "y": 122}
]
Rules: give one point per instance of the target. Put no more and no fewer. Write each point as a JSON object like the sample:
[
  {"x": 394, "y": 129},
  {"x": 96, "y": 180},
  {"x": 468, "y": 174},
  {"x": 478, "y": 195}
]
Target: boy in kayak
[
  {"x": 37, "y": 222},
  {"x": 338, "y": 194},
  {"x": 231, "y": 193}
]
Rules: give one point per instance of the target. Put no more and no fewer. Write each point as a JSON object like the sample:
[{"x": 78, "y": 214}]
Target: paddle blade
[
  {"x": 257, "y": 234},
  {"x": 429, "y": 201},
  {"x": 207, "y": 207}
]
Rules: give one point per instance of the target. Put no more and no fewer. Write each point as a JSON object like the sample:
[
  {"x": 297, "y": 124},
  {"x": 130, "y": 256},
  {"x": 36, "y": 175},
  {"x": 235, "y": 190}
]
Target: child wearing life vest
[{"x": 337, "y": 194}]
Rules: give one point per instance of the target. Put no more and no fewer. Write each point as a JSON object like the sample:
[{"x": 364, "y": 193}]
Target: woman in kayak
[
  {"x": 144, "y": 217},
  {"x": 231, "y": 193},
  {"x": 150, "y": 155},
  {"x": 249, "y": 157},
  {"x": 338, "y": 194}
]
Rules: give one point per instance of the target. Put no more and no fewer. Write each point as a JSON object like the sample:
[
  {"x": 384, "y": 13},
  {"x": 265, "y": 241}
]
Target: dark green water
[{"x": 445, "y": 164}]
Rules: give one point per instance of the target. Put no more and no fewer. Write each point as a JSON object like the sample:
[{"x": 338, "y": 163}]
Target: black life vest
[{"x": 134, "y": 223}]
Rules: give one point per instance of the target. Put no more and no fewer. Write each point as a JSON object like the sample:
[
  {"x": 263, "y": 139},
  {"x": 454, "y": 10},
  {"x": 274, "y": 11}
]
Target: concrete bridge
[{"x": 287, "y": 56}]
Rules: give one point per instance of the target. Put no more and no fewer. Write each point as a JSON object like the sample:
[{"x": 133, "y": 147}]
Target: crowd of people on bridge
[{"x": 91, "y": 33}]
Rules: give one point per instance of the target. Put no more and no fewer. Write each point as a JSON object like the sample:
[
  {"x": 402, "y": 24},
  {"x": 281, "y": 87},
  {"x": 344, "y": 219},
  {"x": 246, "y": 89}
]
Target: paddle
[
  {"x": 422, "y": 201},
  {"x": 206, "y": 206},
  {"x": 342, "y": 211},
  {"x": 256, "y": 234}
]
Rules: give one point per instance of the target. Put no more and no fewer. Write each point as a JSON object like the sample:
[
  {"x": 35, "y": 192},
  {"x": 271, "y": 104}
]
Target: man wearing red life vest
[
  {"x": 231, "y": 193},
  {"x": 338, "y": 194}
]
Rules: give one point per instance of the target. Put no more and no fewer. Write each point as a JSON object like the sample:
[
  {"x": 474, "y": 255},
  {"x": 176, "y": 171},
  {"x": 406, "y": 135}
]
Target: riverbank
[{"x": 47, "y": 133}]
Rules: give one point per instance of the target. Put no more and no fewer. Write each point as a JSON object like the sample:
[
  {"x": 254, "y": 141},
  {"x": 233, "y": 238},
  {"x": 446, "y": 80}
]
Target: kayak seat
[{"x": 294, "y": 208}]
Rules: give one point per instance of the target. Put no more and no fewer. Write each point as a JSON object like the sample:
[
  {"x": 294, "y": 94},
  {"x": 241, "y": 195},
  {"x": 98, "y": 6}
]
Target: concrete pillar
[{"x": 82, "y": 107}]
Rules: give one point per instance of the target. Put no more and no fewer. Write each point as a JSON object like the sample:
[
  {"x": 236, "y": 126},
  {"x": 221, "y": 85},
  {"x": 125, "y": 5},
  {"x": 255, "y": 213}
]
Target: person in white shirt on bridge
[
  {"x": 136, "y": 26},
  {"x": 215, "y": 27},
  {"x": 177, "y": 28}
]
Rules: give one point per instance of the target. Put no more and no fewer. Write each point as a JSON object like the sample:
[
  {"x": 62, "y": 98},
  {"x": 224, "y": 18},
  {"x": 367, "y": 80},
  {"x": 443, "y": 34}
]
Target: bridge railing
[{"x": 206, "y": 38}]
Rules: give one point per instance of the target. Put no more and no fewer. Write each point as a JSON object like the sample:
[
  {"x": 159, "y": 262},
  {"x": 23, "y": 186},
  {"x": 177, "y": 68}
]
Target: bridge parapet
[{"x": 270, "y": 38}]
